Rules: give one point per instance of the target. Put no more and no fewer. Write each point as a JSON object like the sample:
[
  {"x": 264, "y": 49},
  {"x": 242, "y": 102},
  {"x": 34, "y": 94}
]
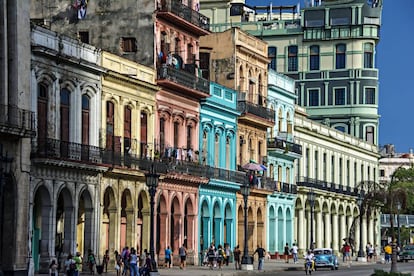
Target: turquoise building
[
  {"x": 217, "y": 199},
  {"x": 282, "y": 152}
]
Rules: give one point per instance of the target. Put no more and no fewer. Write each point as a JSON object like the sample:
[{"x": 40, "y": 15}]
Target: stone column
[
  {"x": 301, "y": 226},
  {"x": 335, "y": 233},
  {"x": 328, "y": 230},
  {"x": 317, "y": 230}
]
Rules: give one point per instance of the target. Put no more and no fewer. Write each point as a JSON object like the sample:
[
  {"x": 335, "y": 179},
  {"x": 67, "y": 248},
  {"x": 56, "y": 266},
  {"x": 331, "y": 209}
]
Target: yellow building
[{"x": 127, "y": 135}]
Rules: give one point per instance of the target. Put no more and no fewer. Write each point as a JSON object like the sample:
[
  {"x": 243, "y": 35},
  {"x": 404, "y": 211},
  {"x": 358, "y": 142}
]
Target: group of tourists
[
  {"x": 216, "y": 257},
  {"x": 130, "y": 262},
  {"x": 73, "y": 264}
]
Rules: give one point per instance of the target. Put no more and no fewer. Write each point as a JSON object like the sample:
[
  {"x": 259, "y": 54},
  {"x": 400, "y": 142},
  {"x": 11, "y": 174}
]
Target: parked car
[
  {"x": 407, "y": 253},
  {"x": 325, "y": 258}
]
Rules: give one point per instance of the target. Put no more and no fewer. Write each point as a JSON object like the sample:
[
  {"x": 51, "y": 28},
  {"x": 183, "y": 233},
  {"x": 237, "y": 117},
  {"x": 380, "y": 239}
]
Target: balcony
[
  {"x": 226, "y": 175},
  {"x": 182, "y": 81},
  {"x": 327, "y": 186},
  {"x": 182, "y": 15},
  {"x": 280, "y": 187},
  {"x": 285, "y": 147},
  {"x": 255, "y": 113},
  {"x": 16, "y": 121}
]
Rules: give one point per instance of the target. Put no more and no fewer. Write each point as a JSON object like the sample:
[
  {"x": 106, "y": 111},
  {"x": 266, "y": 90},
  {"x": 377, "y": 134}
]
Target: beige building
[{"x": 333, "y": 167}]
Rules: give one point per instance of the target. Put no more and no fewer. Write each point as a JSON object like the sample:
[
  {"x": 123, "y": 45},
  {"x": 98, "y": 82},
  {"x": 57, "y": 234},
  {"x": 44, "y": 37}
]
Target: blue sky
[{"x": 395, "y": 54}]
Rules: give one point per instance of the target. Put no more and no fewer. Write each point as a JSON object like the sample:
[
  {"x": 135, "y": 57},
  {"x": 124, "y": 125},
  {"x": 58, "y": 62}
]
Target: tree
[{"x": 387, "y": 196}]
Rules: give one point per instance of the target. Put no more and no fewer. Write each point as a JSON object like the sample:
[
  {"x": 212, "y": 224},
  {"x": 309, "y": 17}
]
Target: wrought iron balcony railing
[
  {"x": 327, "y": 186},
  {"x": 17, "y": 121},
  {"x": 184, "y": 78},
  {"x": 246, "y": 107},
  {"x": 185, "y": 12},
  {"x": 284, "y": 145}
]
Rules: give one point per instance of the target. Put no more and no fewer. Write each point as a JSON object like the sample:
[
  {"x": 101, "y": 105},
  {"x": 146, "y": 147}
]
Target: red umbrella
[{"x": 253, "y": 167}]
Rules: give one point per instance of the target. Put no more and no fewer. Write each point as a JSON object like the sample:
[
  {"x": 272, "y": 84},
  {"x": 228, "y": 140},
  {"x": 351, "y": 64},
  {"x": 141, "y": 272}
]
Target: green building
[{"x": 328, "y": 48}]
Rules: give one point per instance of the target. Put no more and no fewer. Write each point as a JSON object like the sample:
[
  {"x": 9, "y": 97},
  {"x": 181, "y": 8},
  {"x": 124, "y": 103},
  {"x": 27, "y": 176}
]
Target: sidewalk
[{"x": 269, "y": 265}]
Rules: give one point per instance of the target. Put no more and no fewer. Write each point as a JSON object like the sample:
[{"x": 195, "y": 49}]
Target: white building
[{"x": 333, "y": 166}]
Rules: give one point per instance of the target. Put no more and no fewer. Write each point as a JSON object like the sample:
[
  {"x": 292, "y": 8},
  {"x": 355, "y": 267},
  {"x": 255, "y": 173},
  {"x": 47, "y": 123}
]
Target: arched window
[
  {"x": 42, "y": 103},
  {"x": 85, "y": 119},
  {"x": 127, "y": 129},
  {"x": 216, "y": 150},
  {"x": 64, "y": 114},
  {"x": 110, "y": 125},
  {"x": 144, "y": 134}
]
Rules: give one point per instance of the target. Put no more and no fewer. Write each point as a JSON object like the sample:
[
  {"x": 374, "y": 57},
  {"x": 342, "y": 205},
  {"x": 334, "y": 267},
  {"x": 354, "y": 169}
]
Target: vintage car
[
  {"x": 407, "y": 253},
  {"x": 325, "y": 258}
]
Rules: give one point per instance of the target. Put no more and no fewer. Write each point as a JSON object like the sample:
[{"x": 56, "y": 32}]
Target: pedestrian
[
  {"x": 70, "y": 265},
  {"x": 220, "y": 256},
  {"x": 211, "y": 255},
  {"x": 227, "y": 252},
  {"x": 294, "y": 250},
  {"x": 91, "y": 261},
  {"x": 118, "y": 264},
  {"x": 388, "y": 252},
  {"x": 78, "y": 262},
  {"x": 133, "y": 263},
  {"x": 168, "y": 254},
  {"x": 236, "y": 254},
  {"x": 261, "y": 254},
  {"x": 286, "y": 253},
  {"x": 53, "y": 268},
  {"x": 183, "y": 255},
  {"x": 106, "y": 260},
  {"x": 125, "y": 260}
]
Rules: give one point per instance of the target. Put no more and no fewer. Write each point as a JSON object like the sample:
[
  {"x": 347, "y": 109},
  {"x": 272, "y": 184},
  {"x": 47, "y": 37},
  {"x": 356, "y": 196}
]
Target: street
[{"x": 282, "y": 269}]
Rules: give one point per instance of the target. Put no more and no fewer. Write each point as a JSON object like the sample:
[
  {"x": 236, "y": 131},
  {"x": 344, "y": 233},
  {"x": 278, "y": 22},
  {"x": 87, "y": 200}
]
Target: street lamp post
[
  {"x": 247, "y": 263},
  {"x": 151, "y": 179},
  {"x": 311, "y": 199},
  {"x": 398, "y": 222},
  {"x": 360, "y": 201},
  {"x": 5, "y": 164}
]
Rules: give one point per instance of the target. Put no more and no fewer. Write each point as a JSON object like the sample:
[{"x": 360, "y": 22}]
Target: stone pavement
[{"x": 269, "y": 265}]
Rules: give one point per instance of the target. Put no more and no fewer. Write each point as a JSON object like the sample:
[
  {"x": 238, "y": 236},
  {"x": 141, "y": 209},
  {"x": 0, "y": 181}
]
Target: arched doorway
[
  {"x": 175, "y": 217},
  {"x": 162, "y": 224},
  {"x": 272, "y": 230},
  {"x": 65, "y": 224},
  {"x": 109, "y": 216},
  {"x": 216, "y": 239},
  {"x": 84, "y": 237},
  {"x": 204, "y": 226},
  {"x": 189, "y": 217},
  {"x": 280, "y": 225},
  {"x": 260, "y": 228},
  {"x": 228, "y": 225},
  {"x": 143, "y": 224},
  {"x": 127, "y": 219},
  {"x": 41, "y": 231},
  {"x": 240, "y": 228},
  {"x": 250, "y": 229},
  {"x": 7, "y": 222}
]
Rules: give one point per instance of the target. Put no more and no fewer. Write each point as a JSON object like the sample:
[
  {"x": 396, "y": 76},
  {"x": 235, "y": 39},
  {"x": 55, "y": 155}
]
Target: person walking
[
  {"x": 53, "y": 268},
  {"x": 91, "y": 262},
  {"x": 118, "y": 264},
  {"x": 227, "y": 252},
  {"x": 236, "y": 254},
  {"x": 183, "y": 255},
  {"x": 133, "y": 263},
  {"x": 168, "y": 254},
  {"x": 220, "y": 256},
  {"x": 261, "y": 254},
  {"x": 286, "y": 253},
  {"x": 294, "y": 250},
  {"x": 106, "y": 260},
  {"x": 78, "y": 262},
  {"x": 70, "y": 265},
  {"x": 211, "y": 254}
]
